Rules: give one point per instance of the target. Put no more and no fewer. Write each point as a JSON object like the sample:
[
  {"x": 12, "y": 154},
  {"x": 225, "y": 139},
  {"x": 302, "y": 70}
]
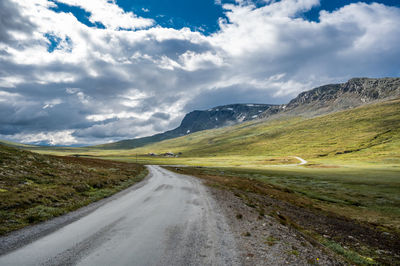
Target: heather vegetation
[{"x": 35, "y": 188}]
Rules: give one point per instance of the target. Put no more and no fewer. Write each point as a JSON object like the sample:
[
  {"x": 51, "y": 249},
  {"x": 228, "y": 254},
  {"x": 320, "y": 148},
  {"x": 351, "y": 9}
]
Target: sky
[{"x": 88, "y": 72}]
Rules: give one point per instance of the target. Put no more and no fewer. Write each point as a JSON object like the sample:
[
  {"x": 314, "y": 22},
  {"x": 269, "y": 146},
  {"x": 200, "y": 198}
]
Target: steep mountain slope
[
  {"x": 337, "y": 97},
  {"x": 368, "y": 132},
  {"x": 199, "y": 120}
]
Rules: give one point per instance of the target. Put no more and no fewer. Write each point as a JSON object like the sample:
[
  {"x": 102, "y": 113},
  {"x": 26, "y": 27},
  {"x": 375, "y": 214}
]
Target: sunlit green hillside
[
  {"x": 370, "y": 133},
  {"x": 14, "y": 144}
]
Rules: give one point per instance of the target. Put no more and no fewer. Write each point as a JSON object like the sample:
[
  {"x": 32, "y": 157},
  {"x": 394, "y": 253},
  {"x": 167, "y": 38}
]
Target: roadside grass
[
  {"x": 350, "y": 255},
  {"x": 35, "y": 188},
  {"x": 336, "y": 204},
  {"x": 367, "y": 195},
  {"x": 271, "y": 241}
]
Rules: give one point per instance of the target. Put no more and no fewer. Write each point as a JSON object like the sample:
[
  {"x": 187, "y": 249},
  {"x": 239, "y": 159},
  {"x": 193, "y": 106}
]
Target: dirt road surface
[{"x": 170, "y": 220}]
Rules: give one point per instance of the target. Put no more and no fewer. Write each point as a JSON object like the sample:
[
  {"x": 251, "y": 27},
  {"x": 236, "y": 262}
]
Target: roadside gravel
[{"x": 263, "y": 240}]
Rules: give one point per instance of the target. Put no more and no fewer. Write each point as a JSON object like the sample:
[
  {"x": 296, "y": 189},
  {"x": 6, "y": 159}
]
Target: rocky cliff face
[
  {"x": 337, "y": 97},
  {"x": 221, "y": 116}
]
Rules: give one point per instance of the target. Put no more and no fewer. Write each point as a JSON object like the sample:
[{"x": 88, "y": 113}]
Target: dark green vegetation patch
[{"x": 35, "y": 187}]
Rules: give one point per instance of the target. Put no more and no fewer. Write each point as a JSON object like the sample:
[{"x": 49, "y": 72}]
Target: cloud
[
  {"x": 11, "y": 21},
  {"x": 162, "y": 116},
  {"x": 52, "y": 138},
  {"x": 64, "y": 82},
  {"x": 110, "y": 14}
]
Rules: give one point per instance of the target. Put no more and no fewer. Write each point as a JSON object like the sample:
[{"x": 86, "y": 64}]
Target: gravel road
[{"x": 170, "y": 220}]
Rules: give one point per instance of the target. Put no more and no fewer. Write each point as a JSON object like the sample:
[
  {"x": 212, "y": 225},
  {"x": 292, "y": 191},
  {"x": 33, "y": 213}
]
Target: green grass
[
  {"x": 16, "y": 145},
  {"x": 271, "y": 241},
  {"x": 350, "y": 255}
]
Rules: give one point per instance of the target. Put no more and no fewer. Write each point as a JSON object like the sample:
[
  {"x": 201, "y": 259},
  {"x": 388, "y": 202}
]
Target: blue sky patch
[
  {"x": 332, "y": 5},
  {"x": 81, "y": 15},
  {"x": 55, "y": 42},
  {"x": 200, "y": 15}
]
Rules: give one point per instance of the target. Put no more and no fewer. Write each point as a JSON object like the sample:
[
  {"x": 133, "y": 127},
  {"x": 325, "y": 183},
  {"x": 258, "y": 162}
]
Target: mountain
[
  {"x": 336, "y": 97},
  {"x": 370, "y": 133},
  {"x": 197, "y": 120},
  {"x": 318, "y": 101},
  {"x": 221, "y": 116}
]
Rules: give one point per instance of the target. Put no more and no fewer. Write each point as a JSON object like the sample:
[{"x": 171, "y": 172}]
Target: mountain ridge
[
  {"x": 336, "y": 97},
  {"x": 199, "y": 120},
  {"x": 317, "y": 101}
]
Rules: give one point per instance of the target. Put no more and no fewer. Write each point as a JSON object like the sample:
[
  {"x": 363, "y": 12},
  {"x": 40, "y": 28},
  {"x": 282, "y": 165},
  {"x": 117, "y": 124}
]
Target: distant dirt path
[{"x": 302, "y": 161}]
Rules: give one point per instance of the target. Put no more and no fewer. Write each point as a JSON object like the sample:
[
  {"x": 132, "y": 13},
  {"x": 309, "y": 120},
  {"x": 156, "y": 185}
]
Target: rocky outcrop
[
  {"x": 221, "y": 116},
  {"x": 337, "y": 97}
]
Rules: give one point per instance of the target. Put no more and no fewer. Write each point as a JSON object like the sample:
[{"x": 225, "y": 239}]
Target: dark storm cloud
[
  {"x": 162, "y": 116},
  {"x": 40, "y": 115},
  {"x": 12, "y": 20},
  {"x": 117, "y": 129}
]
